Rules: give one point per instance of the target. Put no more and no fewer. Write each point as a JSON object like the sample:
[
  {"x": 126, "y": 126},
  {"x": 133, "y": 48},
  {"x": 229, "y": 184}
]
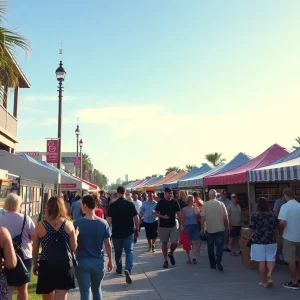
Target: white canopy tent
[{"x": 34, "y": 170}]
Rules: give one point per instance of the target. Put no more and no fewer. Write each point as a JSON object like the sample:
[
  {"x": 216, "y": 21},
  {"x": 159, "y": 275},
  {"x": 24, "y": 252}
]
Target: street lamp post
[
  {"x": 77, "y": 133},
  {"x": 60, "y": 76},
  {"x": 80, "y": 144}
]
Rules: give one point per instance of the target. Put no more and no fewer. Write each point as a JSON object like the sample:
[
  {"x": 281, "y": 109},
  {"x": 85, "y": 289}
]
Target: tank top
[
  {"x": 47, "y": 239},
  {"x": 190, "y": 216}
]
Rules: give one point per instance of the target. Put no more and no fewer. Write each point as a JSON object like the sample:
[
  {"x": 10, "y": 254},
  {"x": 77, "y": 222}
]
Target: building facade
[{"x": 9, "y": 119}]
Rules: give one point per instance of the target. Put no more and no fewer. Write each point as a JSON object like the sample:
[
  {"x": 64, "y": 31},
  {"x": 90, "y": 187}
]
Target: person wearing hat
[
  {"x": 166, "y": 210},
  {"x": 235, "y": 222},
  {"x": 224, "y": 199}
]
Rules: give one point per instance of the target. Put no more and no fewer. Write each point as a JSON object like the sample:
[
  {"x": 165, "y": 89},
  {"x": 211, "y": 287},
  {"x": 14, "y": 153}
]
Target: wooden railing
[{"x": 8, "y": 123}]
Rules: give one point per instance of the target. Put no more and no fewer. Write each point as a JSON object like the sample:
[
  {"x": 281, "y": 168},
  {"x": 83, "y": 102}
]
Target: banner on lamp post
[
  {"x": 52, "y": 151},
  {"x": 86, "y": 175},
  {"x": 77, "y": 161}
]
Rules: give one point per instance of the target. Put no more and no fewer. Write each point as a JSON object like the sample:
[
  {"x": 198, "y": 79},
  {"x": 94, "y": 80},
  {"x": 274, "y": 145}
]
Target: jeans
[
  {"x": 215, "y": 239},
  {"x": 89, "y": 274},
  {"x": 127, "y": 244}
]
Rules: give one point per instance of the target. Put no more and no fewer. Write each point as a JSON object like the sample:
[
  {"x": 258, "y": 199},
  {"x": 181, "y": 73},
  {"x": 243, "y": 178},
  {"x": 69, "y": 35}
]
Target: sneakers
[
  {"x": 166, "y": 265},
  {"x": 290, "y": 285},
  {"x": 119, "y": 273},
  {"x": 172, "y": 259},
  {"x": 128, "y": 277},
  {"x": 220, "y": 267}
]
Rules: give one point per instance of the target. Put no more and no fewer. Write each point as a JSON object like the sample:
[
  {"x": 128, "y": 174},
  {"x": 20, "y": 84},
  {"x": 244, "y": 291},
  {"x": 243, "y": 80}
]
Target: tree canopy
[{"x": 214, "y": 158}]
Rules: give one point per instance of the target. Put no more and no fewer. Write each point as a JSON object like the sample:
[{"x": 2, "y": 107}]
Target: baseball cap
[
  {"x": 224, "y": 192},
  {"x": 168, "y": 190},
  {"x": 233, "y": 196}
]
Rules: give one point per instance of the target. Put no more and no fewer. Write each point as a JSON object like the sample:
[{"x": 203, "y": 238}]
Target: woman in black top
[{"x": 264, "y": 247}]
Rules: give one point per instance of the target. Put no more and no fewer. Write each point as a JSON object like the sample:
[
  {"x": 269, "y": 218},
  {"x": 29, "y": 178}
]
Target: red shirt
[{"x": 99, "y": 213}]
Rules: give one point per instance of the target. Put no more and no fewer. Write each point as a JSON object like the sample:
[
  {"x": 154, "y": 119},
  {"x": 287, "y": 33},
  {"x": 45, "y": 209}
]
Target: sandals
[
  {"x": 262, "y": 284},
  {"x": 270, "y": 281},
  {"x": 194, "y": 261},
  {"x": 233, "y": 254},
  {"x": 189, "y": 262}
]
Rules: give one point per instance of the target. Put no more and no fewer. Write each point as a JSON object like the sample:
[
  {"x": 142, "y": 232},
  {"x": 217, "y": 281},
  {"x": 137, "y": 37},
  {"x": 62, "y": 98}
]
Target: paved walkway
[{"x": 151, "y": 282}]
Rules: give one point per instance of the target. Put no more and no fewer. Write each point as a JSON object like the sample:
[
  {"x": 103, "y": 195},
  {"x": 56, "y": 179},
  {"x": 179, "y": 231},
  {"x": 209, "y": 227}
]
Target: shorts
[
  {"x": 28, "y": 265},
  {"x": 167, "y": 234},
  {"x": 151, "y": 230},
  {"x": 235, "y": 231},
  {"x": 49, "y": 281},
  {"x": 291, "y": 251},
  {"x": 261, "y": 252},
  {"x": 193, "y": 232}
]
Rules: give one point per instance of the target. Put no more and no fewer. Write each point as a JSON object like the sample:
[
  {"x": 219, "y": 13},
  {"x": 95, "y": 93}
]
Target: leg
[
  {"x": 211, "y": 249},
  {"x": 293, "y": 272},
  {"x": 83, "y": 276},
  {"x": 23, "y": 292},
  {"x": 149, "y": 245},
  {"x": 164, "y": 248},
  {"x": 118, "y": 246},
  {"x": 48, "y": 296},
  {"x": 97, "y": 275},
  {"x": 188, "y": 256},
  {"x": 219, "y": 241},
  {"x": 128, "y": 248},
  {"x": 231, "y": 243},
  {"x": 174, "y": 236},
  {"x": 262, "y": 273},
  {"x": 60, "y": 295},
  {"x": 173, "y": 247}
]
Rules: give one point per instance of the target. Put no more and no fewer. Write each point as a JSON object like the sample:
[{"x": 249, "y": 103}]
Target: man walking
[
  {"x": 214, "y": 214},
  {"x": 289, "y": 217},
  {"x": 125, "y": 223},
  {"x": 166, "y": 210}
]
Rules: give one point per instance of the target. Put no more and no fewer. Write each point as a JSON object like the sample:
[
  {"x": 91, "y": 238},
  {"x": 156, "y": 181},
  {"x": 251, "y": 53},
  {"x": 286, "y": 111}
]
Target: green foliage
[
  {"x": 297, "y": 140},
  {"x": 214, "y": 158},
  {"x": 189, "y": 168},
  {"x": 172, "y": 169}
]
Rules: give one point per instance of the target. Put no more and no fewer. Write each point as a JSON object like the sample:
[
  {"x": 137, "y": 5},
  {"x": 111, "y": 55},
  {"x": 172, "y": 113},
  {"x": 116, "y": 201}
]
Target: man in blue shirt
[
  {"x": 150, "y": 220},
  {"x": 224, "y": 199},
  {"x": 76, "y": 208}
]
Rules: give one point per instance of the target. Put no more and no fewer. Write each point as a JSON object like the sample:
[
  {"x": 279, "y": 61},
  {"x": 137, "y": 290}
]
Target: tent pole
[{"x": 249, "y": 199}]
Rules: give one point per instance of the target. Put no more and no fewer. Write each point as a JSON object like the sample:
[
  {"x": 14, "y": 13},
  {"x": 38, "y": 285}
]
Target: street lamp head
[
  {"x": 60, "y": 72},
  {"x": 77, "y": 131},
  {"x": 80, "y": 143}
]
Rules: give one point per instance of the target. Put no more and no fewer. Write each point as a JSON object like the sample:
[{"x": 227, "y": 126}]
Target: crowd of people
[{"x": 58, "y": 250}]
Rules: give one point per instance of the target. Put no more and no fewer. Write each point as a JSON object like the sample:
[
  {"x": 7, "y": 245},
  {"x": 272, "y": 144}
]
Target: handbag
[{"x": 19, "y": 275}]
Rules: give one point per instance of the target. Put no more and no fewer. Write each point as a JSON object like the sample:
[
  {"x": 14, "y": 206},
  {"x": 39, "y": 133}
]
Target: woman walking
[
  {"x": 8, "y": 260},
  {"x": 53, "y": 284},
  {"x": 263, "y": 249},
  {"x": 190, "y": 217},
  {"x": 150, "y": 221},
  {"x": 20, "y": 227},
  {"x": 94, "y": 232}
]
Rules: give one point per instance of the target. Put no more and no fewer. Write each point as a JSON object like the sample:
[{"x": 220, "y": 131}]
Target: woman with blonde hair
[
  {"x": 182, "y": 199},
  {"x": 53, "y": 284},
  {"x": 199, "y": 203},
  {"x": 21, "y": 229},
  {"x": 190, "y": 216}
]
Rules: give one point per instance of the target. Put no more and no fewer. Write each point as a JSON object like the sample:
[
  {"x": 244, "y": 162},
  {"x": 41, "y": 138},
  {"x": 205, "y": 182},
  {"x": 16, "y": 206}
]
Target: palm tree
[
  {"x": 297, "y": 139},
  {"x": 10, "y": 41},
  {"x": 87, "y": 163},
  {"x": 189, "y": 168},
  {"x": 214, "y": 158},
  {"x": 172, "y": 169}
]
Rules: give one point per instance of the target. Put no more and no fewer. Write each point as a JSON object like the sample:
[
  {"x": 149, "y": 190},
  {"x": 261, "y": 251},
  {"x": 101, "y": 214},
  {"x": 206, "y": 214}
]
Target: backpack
[{"x": 60, "y": 256}]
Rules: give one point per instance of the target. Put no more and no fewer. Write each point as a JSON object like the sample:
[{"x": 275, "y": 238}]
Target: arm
[
  {"x": 282, "y": 218},
  {"x": 108, "y": 249},
  {"x": 72, "y": 236},
  {"x": 108, "y": 220},
  {"x": 136, "y": 220},
  {"x": 203, "y": 219},
  {"x": 10, "y": 260},
  {"x": 226, "y": 221},
  {"x": 182, "y": 215},
  {"x": 35, "y": 248},
  {"x": 229, "y": 216}
]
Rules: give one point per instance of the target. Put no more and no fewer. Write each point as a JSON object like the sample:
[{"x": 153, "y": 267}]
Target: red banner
[
  {"x": 68, "y": 185},
  {"x": 77, "y": 161},
  {"x": 52, "y": 151},
  {"x": 86, "y": 175}
]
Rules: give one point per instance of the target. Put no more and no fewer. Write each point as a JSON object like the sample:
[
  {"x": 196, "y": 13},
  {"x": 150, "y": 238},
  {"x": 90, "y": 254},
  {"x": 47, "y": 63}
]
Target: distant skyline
[{"x": 156, "y": 83}]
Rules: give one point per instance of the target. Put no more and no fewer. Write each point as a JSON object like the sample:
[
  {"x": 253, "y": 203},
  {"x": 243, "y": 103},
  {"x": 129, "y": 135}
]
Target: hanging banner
[
  {"x": 86, "y": 175},
  {"x": 52, "y": 151},
  {"x": 77, "y": 161}
]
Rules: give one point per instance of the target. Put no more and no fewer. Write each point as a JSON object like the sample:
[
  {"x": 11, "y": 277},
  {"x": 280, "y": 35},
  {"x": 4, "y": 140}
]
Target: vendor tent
[
  {"x": 239, "y": 174},
  {"x": 24, "y": 167},
  {"x": 197, "y": 181},
  {"x": 173, "y": 178},
  {"x": 194, "y": 172},
  {"x": 152, "y": 180},
  {"x": 283, "y": 171},
  {"x": 288, "y": 157},
  {"x": 237, "y": 161},
  {"x": 150, "y": 187}
]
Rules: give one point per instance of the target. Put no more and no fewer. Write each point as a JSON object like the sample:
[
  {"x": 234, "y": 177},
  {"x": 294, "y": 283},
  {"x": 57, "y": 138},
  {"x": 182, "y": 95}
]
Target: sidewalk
[{"x": 151, "y": 282}]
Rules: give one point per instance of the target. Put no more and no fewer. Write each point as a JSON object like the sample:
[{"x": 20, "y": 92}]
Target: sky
[{"x": 158, "y": 83}]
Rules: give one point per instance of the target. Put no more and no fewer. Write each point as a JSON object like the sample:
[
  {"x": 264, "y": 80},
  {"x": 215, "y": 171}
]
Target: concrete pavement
[{"x": 151, "y": 282}]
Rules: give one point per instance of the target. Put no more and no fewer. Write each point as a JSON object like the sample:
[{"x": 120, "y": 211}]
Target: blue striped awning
[{"x": 288, "y": 170}]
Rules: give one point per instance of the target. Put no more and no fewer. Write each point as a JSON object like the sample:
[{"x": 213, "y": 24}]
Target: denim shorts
[
  {"x": 193, "y": 231},
  {"x": 260, "y": 252},
  {"x": 28, "y": 265}
]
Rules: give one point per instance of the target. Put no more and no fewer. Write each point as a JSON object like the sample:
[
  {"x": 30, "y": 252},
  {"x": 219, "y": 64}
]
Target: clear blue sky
[{"x": 160, "y": 83}]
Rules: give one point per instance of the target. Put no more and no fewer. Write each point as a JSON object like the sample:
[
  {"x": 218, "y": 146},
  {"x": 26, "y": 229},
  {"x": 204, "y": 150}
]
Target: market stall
[
  {"x": 161, "y": 186},
  {"x": 153, "y": 180},
  {"x": 150, "y": 187}
]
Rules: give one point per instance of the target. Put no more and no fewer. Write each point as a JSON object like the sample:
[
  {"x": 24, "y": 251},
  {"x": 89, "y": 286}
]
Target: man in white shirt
[
  {"x": 137, "y": 203},
  {"x": 214, "y": 215},
  {"x": 289, "y": 217},
  {"x": 128, "y": 195}
]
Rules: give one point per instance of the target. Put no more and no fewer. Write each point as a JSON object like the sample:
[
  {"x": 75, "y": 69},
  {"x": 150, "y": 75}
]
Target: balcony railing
[{"x": 8, "y": 123}]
